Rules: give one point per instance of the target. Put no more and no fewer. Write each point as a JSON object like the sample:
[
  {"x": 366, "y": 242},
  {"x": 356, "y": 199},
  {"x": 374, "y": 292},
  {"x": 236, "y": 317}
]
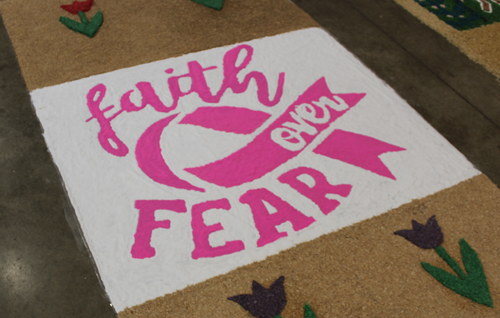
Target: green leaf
[
  {"x": 214, "y": 4},
  {"x": 87, "y": 28},
  {"x": 70, "y": 24},
  {"x": 475, "y": 272},
  {"x": 451, "y": 262},
  {"x": 308, "y": 312},
  {"x": 474, "y": 286},
  {"x": 449, "y": 280}
]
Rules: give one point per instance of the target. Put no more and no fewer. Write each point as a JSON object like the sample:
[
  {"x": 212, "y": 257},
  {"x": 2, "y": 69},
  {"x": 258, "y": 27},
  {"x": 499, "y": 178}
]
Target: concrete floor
[{"x": 45, "y": 270}]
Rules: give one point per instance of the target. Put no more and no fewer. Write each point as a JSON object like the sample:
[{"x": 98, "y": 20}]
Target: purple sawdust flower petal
[
  {"x": 432, "y": 223},
  {"x": 428, "y": 236},
  {"x": 264, "y": 302},
  {"x": 258, "y": 288},
  {"x": 417, "y": 226},
  {"x": 277, "y": 287}
]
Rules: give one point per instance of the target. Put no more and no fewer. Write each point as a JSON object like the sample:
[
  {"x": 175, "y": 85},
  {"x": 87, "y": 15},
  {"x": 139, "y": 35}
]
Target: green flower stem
[
  {"x": 83, "y": 18},
  {"x": 279, "y": 316},
  {"x": 450, "y": 261}
]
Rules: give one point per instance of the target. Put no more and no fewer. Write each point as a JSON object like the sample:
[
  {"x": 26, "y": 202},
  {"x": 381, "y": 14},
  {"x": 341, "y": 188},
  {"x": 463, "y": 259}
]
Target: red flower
[{"x": 78, "y": 6}]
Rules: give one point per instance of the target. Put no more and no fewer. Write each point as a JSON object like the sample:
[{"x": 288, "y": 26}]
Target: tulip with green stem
[
  {"x": 472, "y": 284},
  {"x": 86, "y": 27}
]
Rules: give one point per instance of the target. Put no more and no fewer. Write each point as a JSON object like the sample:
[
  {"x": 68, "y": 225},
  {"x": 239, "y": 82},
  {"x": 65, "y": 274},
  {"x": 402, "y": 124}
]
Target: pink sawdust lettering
[
  {"x": 317, "y": 193},
  {"x": 149, "y": 97},
  {"x": 266, "y": 222},
  {"x": 196, "y": 74},
  {"x": 231, "y": 70},
  {"x": 150, "y": 159},
  {"x": 358, "y": 150},
  {"x": 147, "y": 224},
  {"x": 263, "y": 154},
  {"x": 201, "y": 232},
  {"x": 107, "y": 136},
  {"x": 198, "y": 84},
  {"x": 231, "y": 81}
]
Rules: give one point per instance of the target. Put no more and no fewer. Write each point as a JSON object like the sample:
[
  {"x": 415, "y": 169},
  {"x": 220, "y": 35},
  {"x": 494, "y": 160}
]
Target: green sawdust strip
[
  {"x": 135, "y": 32},
  {"x": 214, "y": 4},
  {"x": 482, "y": 44},
  {"x": 363, "y": 270}
]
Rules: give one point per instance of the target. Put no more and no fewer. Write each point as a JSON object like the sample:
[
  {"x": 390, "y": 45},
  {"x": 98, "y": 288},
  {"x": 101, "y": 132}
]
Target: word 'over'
[{"x": 289, "y": 136}]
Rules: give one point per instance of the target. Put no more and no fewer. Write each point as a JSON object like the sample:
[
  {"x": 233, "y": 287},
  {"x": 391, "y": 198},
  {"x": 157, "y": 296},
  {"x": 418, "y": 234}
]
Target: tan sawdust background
[
  {"x": 364, "y": 270},
  {"x": 482, "y": 45},
  {"x": 134, "y": 32}
]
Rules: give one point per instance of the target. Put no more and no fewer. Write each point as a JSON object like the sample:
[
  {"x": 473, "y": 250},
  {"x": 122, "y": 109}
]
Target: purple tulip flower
[
  {"x": 263, "y": 303},
  {"x": 428, "y": 236}
]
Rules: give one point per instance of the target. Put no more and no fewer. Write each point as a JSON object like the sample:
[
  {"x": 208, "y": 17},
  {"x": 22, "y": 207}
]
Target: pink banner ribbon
[
  {"x": 358, "y": 150},
  {"x": 228, "y": 119},
  {"x": 282, "y": 140}
]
